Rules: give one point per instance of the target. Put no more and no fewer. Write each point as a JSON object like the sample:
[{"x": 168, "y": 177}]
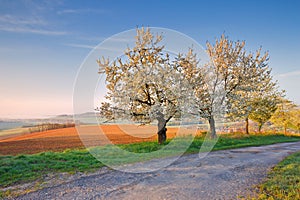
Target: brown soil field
[{"x": 68, "y": 138}]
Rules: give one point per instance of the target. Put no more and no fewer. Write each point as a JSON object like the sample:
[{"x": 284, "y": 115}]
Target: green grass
[
  {"x": 24, "y": 168},
  {"x": 14, "y": 169},
  {"x": 283, "y": 181}
]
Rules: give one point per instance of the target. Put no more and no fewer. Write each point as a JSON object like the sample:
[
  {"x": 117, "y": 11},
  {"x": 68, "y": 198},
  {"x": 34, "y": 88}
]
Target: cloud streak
[
  {"x": 31, "y": 30},
  {"x": 9, "y": 19},
  {"x": 93, "y": 47},
  {"x": 28, "y": 24},
  {"x": 80, "y": 11},
  {"x": 84, "y": 46},
  {"x": 288, "y": 74}
]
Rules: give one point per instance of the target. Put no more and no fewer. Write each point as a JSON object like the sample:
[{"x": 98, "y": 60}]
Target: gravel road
[{"x": 228, "y": 174}]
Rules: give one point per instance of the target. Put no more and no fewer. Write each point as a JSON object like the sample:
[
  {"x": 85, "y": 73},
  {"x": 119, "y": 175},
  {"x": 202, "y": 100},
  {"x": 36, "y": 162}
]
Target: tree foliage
[
  {"x": 239, "y": 78},
  {"x": 295, "y": 119},
  {"x": 262, "y": 109},
  {"x": 283, "y": 117},
  {"x": 144, "y": 86},
  {"x": 147, "y": 84},
  {"x": 221, "y": 77},
  {"x": 257, "y": 96}
]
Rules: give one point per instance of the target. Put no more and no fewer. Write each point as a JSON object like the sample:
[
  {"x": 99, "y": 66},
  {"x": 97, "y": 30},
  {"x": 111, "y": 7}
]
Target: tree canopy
[
  {"x": 145, "y": 86},
  {"x": 148, "y": 84}
]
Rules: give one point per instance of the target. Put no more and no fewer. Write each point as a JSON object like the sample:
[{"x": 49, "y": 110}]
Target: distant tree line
[{"x": 49, "y": 126}]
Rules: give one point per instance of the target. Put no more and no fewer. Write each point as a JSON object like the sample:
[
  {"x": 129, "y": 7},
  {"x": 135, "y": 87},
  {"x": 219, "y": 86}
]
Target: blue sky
[{"x": 43, "y": 43}]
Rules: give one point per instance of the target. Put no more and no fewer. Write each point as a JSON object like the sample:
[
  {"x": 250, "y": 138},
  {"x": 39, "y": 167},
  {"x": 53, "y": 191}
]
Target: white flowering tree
[
  {"x": 256, "y": 98},
  {"x": 219, "y": 79},
  {"x": 144, "y": 86},
  {"x": 232, "y": 79},
  {"x": 148, "y": 85}
]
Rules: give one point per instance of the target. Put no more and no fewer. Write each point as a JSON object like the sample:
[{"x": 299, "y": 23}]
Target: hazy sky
[{"x": 43, "y": 43}]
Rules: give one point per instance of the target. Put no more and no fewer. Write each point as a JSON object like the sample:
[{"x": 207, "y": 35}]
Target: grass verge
[
  {"x": 24, "y": 168},
  {"x": 283, "y": 181}
]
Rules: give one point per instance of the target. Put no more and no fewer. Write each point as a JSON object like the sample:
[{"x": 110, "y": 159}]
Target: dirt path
[{"x": 228, "y": 174}]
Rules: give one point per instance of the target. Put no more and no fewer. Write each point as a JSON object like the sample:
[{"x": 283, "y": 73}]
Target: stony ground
[{"x": 228, "y": 174}]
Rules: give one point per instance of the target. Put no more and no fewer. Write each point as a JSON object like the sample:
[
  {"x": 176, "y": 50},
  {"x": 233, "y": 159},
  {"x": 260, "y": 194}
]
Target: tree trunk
[
  {"x": 285, "y": 130},
  {"x": 212, "y": 128},
  {"x": 247, "y": 126},
  {"x": 162, "y": 130},
  {"x": 259, "y": 127}
]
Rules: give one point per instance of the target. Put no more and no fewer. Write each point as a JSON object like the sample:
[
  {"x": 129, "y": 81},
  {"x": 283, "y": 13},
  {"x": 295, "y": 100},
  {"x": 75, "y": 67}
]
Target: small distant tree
[
  {"x": 283, "y": 115},
  {"x": 144, "y": 85},
  {"x": 295, "y": 120},
  {"x": 262, "y": 109}
]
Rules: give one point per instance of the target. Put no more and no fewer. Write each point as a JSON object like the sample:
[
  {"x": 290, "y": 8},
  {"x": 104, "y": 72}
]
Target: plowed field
[{"x": 61, "y": 139}]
